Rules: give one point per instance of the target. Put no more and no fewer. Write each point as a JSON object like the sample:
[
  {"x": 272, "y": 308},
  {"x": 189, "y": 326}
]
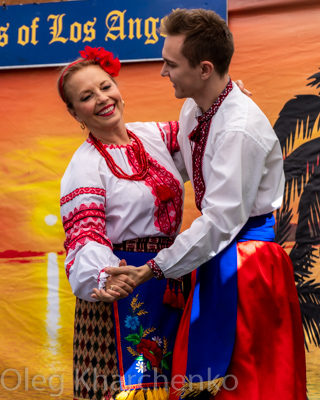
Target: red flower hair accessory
[{"x": 105, "y": 58}]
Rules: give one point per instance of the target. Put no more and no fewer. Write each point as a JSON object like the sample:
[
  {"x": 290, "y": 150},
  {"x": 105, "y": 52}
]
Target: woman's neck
[{"x": 116, "y": 136}]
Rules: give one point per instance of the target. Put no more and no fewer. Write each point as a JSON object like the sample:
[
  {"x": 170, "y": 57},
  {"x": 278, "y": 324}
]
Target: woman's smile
[{"x": 106, "y": 111}]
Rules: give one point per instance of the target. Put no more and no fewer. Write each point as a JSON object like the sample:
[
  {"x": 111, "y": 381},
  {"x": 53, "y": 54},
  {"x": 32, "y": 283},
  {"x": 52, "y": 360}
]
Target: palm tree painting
[{"x": 298, "y": 129}]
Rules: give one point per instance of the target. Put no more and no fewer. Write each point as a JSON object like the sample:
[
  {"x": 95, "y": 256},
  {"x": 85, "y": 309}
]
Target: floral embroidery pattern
[
  {"x": 132, "y": 322},
  {"x": 141, "y": 367},
  {"x": 157, "y": 339},
  {"x": 151, "y": 351},
  {"x": 149, "y": 354}
]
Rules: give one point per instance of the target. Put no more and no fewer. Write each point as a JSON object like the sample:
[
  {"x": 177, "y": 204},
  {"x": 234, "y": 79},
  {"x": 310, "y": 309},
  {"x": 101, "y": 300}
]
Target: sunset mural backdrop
[{"x": 277, "y": 50}]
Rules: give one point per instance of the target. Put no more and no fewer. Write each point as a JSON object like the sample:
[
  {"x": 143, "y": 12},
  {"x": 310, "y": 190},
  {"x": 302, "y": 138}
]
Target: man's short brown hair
[{"x": 207, "y": 37}]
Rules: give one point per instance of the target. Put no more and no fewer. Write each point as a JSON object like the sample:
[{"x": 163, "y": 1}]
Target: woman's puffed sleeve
[
  {"x": 169, "y": 133},
  {"x": 89, "y": 251}
]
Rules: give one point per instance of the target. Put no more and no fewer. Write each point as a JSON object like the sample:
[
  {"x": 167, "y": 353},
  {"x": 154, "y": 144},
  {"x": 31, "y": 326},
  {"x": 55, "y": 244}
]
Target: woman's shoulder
[
  {"x": 142, "y": 127},
  {"x": 84, "y": 163},
  {"x": 84, "y": 154},
  {"x": 152, "y": 130}
]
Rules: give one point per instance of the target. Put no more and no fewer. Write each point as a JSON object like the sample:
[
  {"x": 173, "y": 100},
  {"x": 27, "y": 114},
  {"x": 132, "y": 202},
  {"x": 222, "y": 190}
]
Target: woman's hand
[
  {"x": 117, "y": 287},
  {"x": 108, "y": 297},
  {"x": 242, "y": 88}
]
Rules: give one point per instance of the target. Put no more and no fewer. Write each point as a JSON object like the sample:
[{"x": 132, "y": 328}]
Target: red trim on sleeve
[
  {"x": 169, "y": 132},
  {"x": 156, "y": 269}
]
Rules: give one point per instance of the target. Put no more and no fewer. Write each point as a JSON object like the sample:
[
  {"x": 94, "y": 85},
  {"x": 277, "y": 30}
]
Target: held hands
[
  {"x": 122, "y": 281},
  {"x": 117, "y": 286},
  {"x": 137, "y": 274}
]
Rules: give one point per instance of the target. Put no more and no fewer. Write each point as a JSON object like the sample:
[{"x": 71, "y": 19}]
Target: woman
[{"x": 121, "y": 198}]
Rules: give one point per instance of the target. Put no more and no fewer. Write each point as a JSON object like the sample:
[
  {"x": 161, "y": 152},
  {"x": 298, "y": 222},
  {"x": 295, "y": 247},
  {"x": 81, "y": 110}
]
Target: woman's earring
[
  {"x": 83, "y": 125},
  {"x": 123, "y": 103}
]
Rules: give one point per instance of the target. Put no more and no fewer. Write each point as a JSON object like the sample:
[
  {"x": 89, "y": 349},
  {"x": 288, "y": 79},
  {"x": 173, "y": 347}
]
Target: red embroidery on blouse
[
  {"x": 84, "y": 190},
  {"x": 68, "y": 267},
  {"x": 167, "y": 214},
  {"x": 169, "y": 132},
  {"x": 84, "y": 224},
  {"x": 99, "y": 276},
  {"x": 110, "y": 146},
  {"x": 200, "y": 136},
  {"x": 78, "y": 218}
]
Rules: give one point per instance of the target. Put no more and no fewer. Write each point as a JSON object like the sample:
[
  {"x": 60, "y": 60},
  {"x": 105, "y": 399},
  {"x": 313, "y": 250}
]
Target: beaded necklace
[
  {"x": 163, "y": 191},
  {"x": 115, "y": 169}
]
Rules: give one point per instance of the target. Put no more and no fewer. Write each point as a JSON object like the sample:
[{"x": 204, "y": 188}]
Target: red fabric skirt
[{"x": 268, "y": 360}]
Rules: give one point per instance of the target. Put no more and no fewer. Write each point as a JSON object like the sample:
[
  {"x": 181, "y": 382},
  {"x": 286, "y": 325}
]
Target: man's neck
[{"x": 212, "y": 89}]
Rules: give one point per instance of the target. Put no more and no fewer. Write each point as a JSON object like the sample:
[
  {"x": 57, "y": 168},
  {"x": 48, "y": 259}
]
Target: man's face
[{"x": 186, "y": 80}]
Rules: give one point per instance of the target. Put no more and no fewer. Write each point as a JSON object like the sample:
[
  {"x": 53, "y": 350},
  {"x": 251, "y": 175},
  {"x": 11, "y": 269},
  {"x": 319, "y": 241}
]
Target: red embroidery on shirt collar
[
  {"x": 205, "y": 119},
  {"x": 199, "y": 136}
]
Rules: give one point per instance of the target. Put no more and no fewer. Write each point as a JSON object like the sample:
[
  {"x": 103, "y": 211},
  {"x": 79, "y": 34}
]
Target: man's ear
[
  {"x": 206, "y": 69},
  {"x": 74, "y": 114}
]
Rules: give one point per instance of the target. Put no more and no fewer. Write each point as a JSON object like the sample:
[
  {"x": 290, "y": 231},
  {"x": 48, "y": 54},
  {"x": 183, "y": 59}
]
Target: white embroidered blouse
[{"x": 99, "y": 209}]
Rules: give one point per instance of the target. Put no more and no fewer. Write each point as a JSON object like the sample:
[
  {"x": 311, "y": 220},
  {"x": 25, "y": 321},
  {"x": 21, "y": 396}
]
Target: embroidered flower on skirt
[{"x": 132, "y": 322}]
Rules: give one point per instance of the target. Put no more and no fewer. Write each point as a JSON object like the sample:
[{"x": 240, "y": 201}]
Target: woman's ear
[
  {"x": 206, "y": 69},
  {"x": 74, "y": 114}
]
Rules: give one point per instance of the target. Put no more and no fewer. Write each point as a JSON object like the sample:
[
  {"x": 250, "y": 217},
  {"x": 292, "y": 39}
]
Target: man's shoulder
[
  {"x": 240, "y": 113},
  {"x": 241, "y": 110}
]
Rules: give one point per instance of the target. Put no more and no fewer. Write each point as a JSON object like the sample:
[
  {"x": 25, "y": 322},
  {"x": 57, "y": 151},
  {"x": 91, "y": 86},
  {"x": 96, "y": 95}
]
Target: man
[{"x": 241, "y": 333}]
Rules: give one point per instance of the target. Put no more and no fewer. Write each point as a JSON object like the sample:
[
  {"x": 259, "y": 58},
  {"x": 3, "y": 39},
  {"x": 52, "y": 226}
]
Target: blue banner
[{"x": 48, "y": 34}]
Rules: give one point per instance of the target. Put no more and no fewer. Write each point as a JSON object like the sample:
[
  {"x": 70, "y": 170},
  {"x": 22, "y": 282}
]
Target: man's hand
[
  {"x": 137, "y": 274},
  {"x": 117, "y": 287}
]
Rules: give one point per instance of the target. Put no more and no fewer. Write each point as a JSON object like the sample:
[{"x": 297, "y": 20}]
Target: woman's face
[{"x": 95, "y": 98}]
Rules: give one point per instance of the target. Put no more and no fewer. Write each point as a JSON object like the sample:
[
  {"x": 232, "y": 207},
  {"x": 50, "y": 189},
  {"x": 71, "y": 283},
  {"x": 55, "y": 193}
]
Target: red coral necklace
[
  {"x": 115, "y": 169},
  {"x": 163, "y": 191}
]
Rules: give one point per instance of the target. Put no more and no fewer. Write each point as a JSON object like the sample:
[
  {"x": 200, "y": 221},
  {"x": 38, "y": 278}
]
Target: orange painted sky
[{"x": 275, "y": 54}]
